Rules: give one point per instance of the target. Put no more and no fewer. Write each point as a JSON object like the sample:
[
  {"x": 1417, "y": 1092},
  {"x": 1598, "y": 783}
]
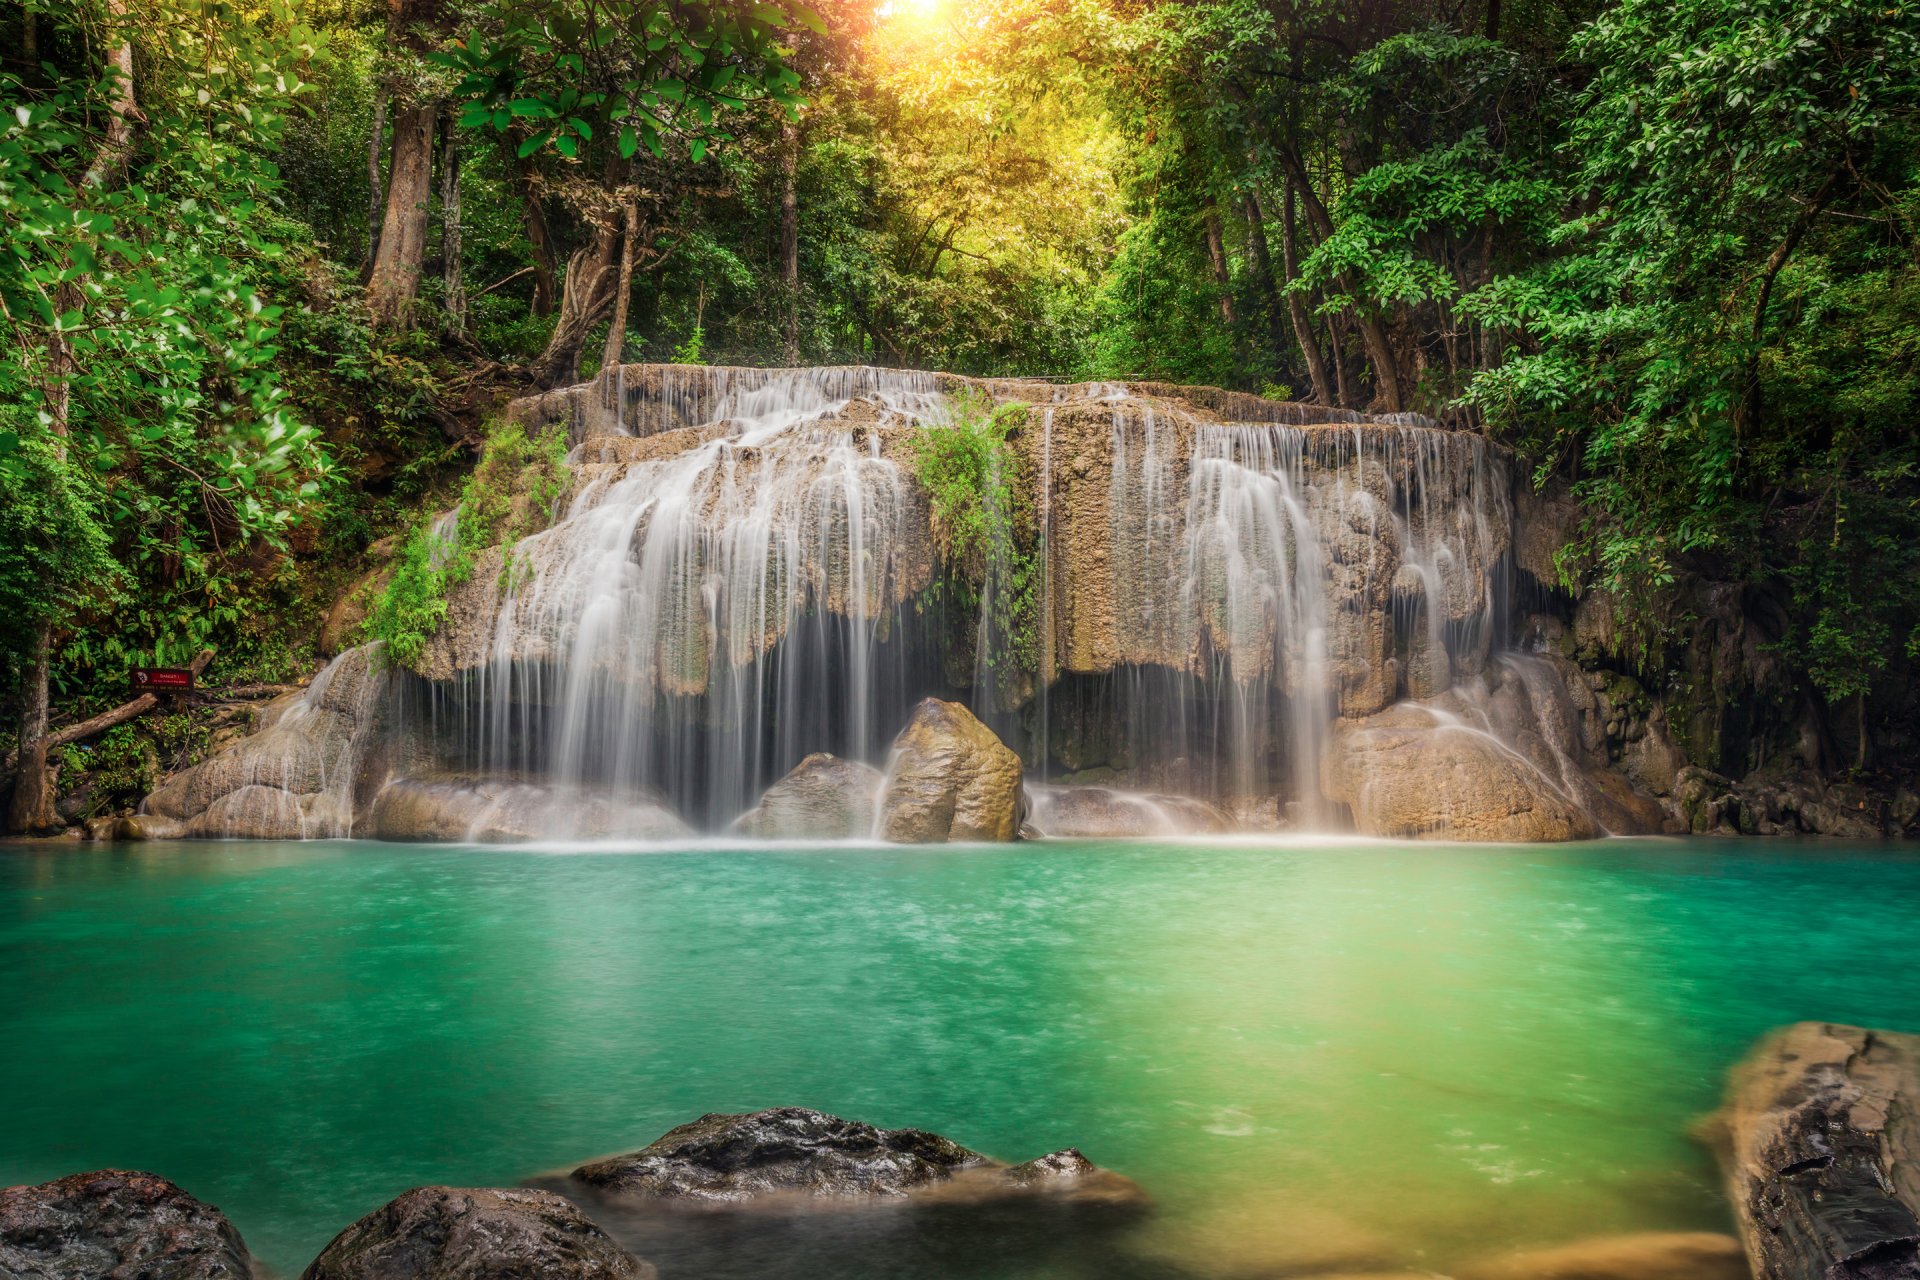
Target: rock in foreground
[
  {"x": 1820, "y": 1143},
  {"x": 950, "y": 779},
  {"x": 823, "y": 798},
  {"x": 116, "y": 1225},
  {"x": 450, "y": 1233},
  {"x": 792, "y": 1152},
  {"x": 1653, "y": 1255}
]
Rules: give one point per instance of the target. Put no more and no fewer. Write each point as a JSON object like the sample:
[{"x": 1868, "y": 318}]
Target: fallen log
[
  {"x": 1820, "y": 1143},
  {"x": 108, "y": 719}
]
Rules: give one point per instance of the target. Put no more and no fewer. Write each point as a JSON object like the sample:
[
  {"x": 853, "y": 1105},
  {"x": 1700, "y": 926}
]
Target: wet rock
[
  {"x": 1101, "y": 812},
  {"x": 488, "y": 810},
  {"x": 790, "y": 1154},
  {"x": 949, "y": 778},
  {"x": 1677, "y": 1255},
  {"x": 822, "y": 798},
  {"x": 116, "y": 1225},
  {"x": 1819, "y": 1140},
  {"x": 297, "y": 777},
  {"x": 1423, "y": 772},
  {"x": 450, "y": 1233}
]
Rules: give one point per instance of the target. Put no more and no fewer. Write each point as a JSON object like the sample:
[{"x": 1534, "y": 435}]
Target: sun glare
[{"x": 916, "y": 10}]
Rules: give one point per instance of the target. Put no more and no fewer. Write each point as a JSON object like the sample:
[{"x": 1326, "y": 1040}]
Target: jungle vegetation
[{"x": 267, "y": 266}]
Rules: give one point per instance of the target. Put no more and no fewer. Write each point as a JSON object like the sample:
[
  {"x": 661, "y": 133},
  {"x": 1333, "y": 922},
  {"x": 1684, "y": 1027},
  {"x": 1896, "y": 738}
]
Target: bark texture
[{"x": 395, "y": 280}]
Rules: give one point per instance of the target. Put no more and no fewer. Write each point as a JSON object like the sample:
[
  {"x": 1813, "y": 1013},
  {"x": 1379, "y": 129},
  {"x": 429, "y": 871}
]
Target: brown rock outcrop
[
  {"x": 1820, "y": 1143},
  {"x": 821, "y": 798},
  {"x": 949, "y": 779}
]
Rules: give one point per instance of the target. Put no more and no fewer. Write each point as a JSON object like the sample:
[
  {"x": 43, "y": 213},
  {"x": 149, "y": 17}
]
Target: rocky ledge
[
  {"x": 792, "y": 1154},
  {"x": 1820, "y": 1143}
]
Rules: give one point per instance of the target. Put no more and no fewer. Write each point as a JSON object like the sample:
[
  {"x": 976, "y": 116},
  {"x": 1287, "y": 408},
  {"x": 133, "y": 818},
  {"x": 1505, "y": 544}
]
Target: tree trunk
[
  {"x": 1297, "y": 305},
  {"x": 533, "y": 215},
  {"x": 31, "y": 806},
  {"x": 31, "y": 810},
  {"x": 123, "y": 113},
  {"x": 616, "y": 348},
  {"x": 585, "y": 295},
  {"x": 1373, "y": 336},
  {"x": 452, "y": 284},
  {"x": 376, "y": 188},
  {"x": 1493, "y": 19},
  {"x": 395, "y": 279},
  {"x": 790, "y": 235},
  {"x": 1262, "y": 256},
  {"x": 1217, "y": 251},
  {"x": 1343, "y": 397}
]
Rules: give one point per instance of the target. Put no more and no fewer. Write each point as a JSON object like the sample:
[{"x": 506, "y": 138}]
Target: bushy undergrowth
[{"x": 514, "y": 491}]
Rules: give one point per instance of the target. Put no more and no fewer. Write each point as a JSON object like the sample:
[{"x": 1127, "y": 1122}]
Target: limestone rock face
[
  {"x": 1508, "y": 754},
  {"x": 1406, "y": 774},
  {"x": 450, "y": 1233},
  {"x": 116, "y": 1225},
  {"x": 950, "y": 778},
  {"x": 1820, "y": 1143},
  {"x": 503, "y": 810},
  {"x": 822, "y": 798},
  {"x": 298, "y": 777},
  {"x": 1099, "y": 812},
  {"x": 791, "y": 1153}
]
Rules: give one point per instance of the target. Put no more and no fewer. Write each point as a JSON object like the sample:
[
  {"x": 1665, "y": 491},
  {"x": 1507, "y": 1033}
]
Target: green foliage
[
  {"x": 638, "y": 72},
  {"x": 1728, "y": 340},
  {"x": 148, "y": 418},
  {"x": 514, "y": 491},
  {"x": 691, "y": 351},
  {"x": 983, "y": 523}
]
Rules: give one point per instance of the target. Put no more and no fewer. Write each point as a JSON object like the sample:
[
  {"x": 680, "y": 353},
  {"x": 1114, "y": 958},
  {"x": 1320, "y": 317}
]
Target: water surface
[{"x": 1323, "y": 1053}]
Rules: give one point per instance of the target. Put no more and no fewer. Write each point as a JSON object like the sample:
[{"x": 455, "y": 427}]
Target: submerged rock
[
  {"x": 1820, "y": 1143},
  {"x": 792, "y": 1153},
  {"x": 950, "y": 778},
  {"x": 1097, "y": 812},
  {"x": 116, "y": 1225},
  {"x": 505, "y": 811},
  {"x": 451, "y": 1233},
  {"x": 1654, "y": 1255},
  {"x": 823, "y": 798}
]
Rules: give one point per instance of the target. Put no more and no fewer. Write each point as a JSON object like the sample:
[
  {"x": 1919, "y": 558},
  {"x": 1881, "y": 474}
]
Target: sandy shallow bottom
[{"x": 1317, "y": 1055}]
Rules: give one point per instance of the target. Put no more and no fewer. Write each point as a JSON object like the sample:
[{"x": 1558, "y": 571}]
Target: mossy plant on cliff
[
  {"x": 514, "y": 491},
  {"x": 983, "y": 524}
]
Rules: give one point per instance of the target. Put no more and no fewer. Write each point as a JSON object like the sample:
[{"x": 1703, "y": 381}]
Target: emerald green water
[{"x": 1336, "y": 1053}]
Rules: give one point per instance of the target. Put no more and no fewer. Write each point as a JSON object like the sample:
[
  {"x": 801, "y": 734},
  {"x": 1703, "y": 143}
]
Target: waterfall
[{"x": 1242, "y": 607}]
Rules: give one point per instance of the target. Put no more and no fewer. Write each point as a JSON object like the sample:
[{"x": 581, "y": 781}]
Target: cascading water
[{"x": 1228, "y": 593}]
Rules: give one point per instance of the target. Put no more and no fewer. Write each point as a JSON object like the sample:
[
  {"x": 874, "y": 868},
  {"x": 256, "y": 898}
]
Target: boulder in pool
[
  {"x": 790, "y": 1154},
  {"x": 1408, "y": 773},
  {"x": 823, "y": 798},
  {"x": 116, "y": 1225},
  {"x": 1820, "y": 1143},
  {"x": 950, "y": 778},
  {"x": 453, "y": 1233}
]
